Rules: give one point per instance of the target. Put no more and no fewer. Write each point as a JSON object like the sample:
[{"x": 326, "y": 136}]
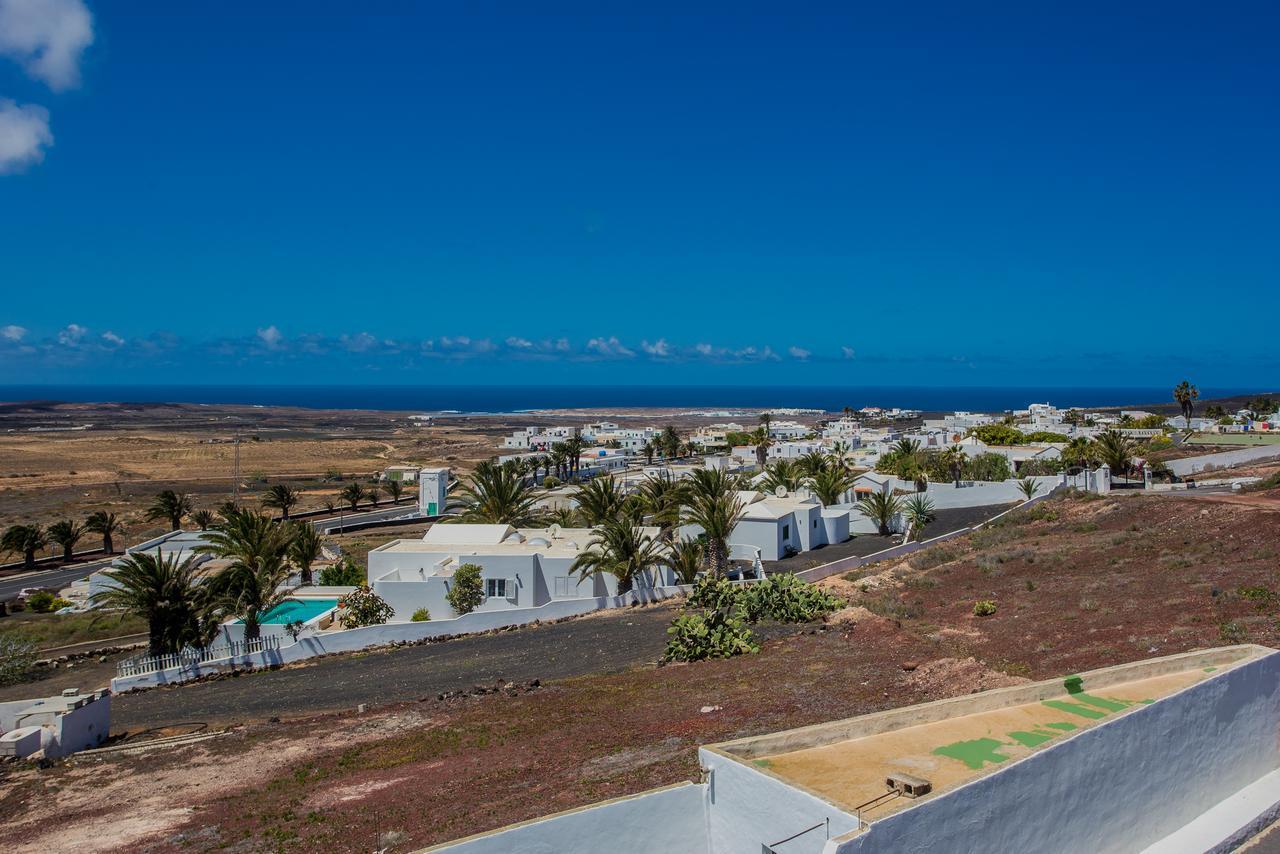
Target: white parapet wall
[
  {"x": 1119, "y": 786},
  {"x": 664, "y": 821}
]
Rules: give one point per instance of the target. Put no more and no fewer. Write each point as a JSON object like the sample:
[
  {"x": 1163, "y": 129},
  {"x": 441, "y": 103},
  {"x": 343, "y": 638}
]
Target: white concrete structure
[
  {"x": 774, "y": 527},
  {"x": 57, "y": 726},
  {"x": 402, "y": 473},
  {"x": 524, "y": 568},
  {"x": 433, "y": 491},
  {"x": 1173, "y": 754},
  {"x": 176, "y": 544}
]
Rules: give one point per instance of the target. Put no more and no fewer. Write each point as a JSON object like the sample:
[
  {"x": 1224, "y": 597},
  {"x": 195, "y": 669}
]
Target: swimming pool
[{"x": 300, "y": 610}]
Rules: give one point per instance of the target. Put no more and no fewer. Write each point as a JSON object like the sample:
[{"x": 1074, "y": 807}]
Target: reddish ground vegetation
[{"x": 1077, "y": 583}]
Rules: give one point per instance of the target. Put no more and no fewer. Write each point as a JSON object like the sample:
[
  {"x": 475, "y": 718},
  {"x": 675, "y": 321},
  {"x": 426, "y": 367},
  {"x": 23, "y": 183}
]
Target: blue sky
[{"x": 996, "y": 194}]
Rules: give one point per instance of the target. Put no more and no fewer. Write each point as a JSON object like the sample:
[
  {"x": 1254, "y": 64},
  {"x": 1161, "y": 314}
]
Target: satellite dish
[
  {"x": 781, "y": 492},
  {"x": 554, "y": 531}
]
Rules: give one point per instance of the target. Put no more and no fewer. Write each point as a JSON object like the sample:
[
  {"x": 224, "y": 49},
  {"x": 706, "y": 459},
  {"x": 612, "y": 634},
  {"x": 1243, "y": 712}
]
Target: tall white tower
[{"x": 433, "y": 489}]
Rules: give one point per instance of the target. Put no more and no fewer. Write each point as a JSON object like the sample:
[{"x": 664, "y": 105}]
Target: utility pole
[{"x": 235, "y": 476}]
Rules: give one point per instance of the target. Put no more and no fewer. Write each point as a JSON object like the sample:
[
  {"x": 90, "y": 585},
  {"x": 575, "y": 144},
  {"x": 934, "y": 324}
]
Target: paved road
[
  {"x": 52, "y": 578},
  {"x": 602, "y": 643}
]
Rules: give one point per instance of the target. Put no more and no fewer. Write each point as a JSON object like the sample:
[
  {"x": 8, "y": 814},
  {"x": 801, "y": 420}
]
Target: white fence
[{"x": 144, "y": 664}]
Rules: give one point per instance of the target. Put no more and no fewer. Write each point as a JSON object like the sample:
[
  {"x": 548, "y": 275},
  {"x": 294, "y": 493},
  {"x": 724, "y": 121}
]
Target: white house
[
  {"x": 773, "y": 527},
  {"x": 522, "y": 568},
  {"x": 56, "y": 725},
  {"x": 788, "y": 430}
]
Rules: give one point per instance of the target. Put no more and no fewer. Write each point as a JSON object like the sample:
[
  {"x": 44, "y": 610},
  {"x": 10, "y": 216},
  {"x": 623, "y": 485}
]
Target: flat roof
[{"x": 952, "y": 742}]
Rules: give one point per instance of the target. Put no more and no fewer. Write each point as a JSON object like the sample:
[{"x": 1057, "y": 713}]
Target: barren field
[{"x": 1077, "y": 584}]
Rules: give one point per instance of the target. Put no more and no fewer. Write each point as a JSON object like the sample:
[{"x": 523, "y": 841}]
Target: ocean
[{"x": 513, "y": 399}]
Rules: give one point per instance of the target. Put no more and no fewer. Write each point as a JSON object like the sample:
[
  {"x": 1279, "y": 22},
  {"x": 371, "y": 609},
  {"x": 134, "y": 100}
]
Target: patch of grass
[
  {"x": 920, "y": 582},
  {"x": 1087, "y": 604},
  {"x": 45, "y": 631},
  {"x": 1086, "y": 528},
  {"x": 893, "y": 608},
  {"x": 1232, "y": 632},
  {"x": 931, "y": 557}
]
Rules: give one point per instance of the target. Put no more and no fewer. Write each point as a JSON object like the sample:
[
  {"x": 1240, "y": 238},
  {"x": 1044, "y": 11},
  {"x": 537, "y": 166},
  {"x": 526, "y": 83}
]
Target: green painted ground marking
[
  {"x": 1035, "y": 738},
  {"x": 763, "y": 763},
  {"x": 1063, "y": 725},
  {"x": 1210, "y": 669},
  {"x": 1101, "y": 703},
  {"x": 1075, "y": 709},
  {"x": 974, "y": 753},
  {"x": 1073, "y": 684}
]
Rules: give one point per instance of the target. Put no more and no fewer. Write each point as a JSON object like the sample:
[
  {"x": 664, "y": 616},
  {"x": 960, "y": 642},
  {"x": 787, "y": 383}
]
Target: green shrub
[
  {"x": 363, "y": 607},
  {"x": 714, "y": 593},
  {"x": 41, "y": 601},
  {"x": 709, "y": 634},
  {"x": 344, "y": 573},
  {"x": 17, "y": 657},
  {"x": 985, "y": 608},
  {"x": 787, "y": 599},
  {"x": 1232, "y": 632},
  {"x": 421, "y": 615},
  {"x": 467, "y": 591}
]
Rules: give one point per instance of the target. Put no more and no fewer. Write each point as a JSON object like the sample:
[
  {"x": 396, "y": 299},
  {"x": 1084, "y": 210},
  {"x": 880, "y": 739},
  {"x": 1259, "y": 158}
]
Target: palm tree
[
  {"x": 880, "y": 507},
  {"x": 782, "y": 473},
  {"x": 66, "y": 534},
  {"x": 1029, "y": 488},
  {"x": 1116, "y": 450},
  {"x": 204, "y": 519},
  {"x": 257, "y": 547},
  {"x": 686, "y": 558},
  {"x": 107, "y": 525},
  {"x": 496, "y": 496},
  {"x": 281, "y": 497},
  {"x": 1186, "y": 395},
  {"x": 760, "y": 438},
  {"x": 171, "y": 507},
  {"x": 715, "y": 507},
  {"x": 304, "y": 548},
  {"x": 164, "y": 592},
  {"x": 813, "y": 462},
  {"x": 660, "y": 497},
  {"x": 375, "y": 492},
  {"x": 599, "y": 500},
  {"x": 25, "y": 540},
  {"x": 671, "y": 441},
  {"x": 620, "y": 549},
  {"x": 396, "y": 489},
  {"x": 647, "y": 450},
  {"x": 1081, "y": 451},
  {"x": 353, "y": 493},
  {"x": 954, "y": 459},
  {"x": 573, "y": 448},
  {"x": 559, "y": 459},
  {"x": 920, "y": 512},
  {"x": 830, "y": 485}
]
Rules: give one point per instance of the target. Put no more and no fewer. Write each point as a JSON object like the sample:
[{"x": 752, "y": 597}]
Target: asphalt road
[
  {"x": 52, "y": 578},
  {"x": 602, "y": 643}
]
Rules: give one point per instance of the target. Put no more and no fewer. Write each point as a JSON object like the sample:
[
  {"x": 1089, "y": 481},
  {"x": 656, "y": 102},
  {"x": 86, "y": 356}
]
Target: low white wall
[
  {"x": 1193, "y": 465},
  {"x": 664, "y": 821},
  {"x": 352, "y": 640},
  {"x": 980, "y": 492},
  {"x": 747, "y": 808},
  {"x": 1118, "y": 786}
]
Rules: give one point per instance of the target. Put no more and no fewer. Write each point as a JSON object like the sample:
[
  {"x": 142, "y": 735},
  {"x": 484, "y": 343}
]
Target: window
[
  {"x": 786, "y": 532},
  {"x": 815, "y": 523},
  {"x": 495, "y": 588}
]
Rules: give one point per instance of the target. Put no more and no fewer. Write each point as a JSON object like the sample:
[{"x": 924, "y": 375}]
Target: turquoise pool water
[{"x": 297, "y": 609}]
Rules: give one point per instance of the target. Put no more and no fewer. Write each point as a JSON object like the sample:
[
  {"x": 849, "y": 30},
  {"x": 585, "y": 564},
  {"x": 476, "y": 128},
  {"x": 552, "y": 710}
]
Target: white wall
[
  {"x": 1193, "y": 465},
  {"x": 664, "y": 821},
  {"x": 747, "y": 808},
  {"x": 1118, "y": 786}
]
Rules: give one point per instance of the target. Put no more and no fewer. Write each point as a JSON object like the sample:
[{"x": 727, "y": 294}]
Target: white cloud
[
  {"x": 562, "y": 345},
  {"x": 12, "y": 332},
  {"x": 70, "y": 337},
  {"x": 799, "y": 353},
  {"x": 112, "y": 339},
  {"x": 47, "y": 38},
  {"x": 358, "y": 343},
  {"x": 660, "y": 348},
  {"x": 457, "y": 342},
  {"x": 847, "y": 351},
  {"x": 609, "y": 348},
  {"x": 270, "y": 336},
  {"x": 24, "y": 134},
  {"x": 519, "y": 343}
]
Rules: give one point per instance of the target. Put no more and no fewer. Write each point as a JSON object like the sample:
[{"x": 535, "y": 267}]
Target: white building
[
  {"x": 58, "y": 726},
  {"x": 774, "y": 527},
  {"x": 522, "y": 568},
  {"x": 788, "y": 430}
]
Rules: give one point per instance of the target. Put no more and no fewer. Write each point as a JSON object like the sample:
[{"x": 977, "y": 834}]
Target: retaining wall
[
  {"x": 1193, "y": 465},
  {"x": 663, "y": 821}
]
